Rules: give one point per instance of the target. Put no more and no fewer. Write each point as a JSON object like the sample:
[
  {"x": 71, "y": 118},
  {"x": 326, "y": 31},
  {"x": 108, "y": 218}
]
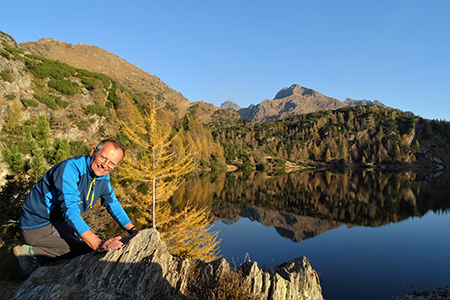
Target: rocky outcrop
[
  {"x": 143, "y": 269},
  {"x": 17, "y": 84},
  {"x": 230, "y": 104},
  {"x": 435, "y": 294},
  {"x": 294, "y": 279},
  {"x": 351, "y": 102}
]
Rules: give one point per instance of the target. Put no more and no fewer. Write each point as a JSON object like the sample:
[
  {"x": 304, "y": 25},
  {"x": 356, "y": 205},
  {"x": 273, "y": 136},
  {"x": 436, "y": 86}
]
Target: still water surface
[
  {"x": 369, "y": 235},
  {"x": 354, "y": 263}
]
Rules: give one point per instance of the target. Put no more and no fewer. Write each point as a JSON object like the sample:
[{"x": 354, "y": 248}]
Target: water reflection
[
  {"x": 361, "y": 198},
  {"x": 336, "y": 220}
]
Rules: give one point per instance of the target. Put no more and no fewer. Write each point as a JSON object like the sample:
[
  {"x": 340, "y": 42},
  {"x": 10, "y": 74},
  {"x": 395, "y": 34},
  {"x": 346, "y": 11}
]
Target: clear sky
[{"x": 395, "y": 51}]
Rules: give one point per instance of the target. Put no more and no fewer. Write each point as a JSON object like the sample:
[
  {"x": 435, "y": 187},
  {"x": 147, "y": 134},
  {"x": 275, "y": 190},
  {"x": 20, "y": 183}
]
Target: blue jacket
[{"x": 66, "y": 190}]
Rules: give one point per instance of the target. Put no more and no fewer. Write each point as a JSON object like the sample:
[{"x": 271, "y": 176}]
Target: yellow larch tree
[{"x": 151, "y": 175}]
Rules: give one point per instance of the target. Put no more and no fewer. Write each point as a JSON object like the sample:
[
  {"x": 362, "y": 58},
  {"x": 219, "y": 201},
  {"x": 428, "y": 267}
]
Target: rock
[
  {"x": 294, "y": 279},
  {"x": 351, "y": 102},
  {"x": 144, "y": 269},
  {"x": 435, "y": 294},
  {"x": 230, "y": 104}
]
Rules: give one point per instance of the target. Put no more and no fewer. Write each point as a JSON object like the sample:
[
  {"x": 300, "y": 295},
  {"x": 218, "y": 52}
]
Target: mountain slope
[{"x": 95, "y": 59}]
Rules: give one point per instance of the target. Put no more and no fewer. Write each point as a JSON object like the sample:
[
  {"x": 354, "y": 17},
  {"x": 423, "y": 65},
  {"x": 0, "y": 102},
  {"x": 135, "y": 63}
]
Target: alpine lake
[{"x": 369, "y": 234}]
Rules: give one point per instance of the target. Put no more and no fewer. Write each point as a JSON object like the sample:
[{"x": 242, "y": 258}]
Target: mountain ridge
[
  {"x": 289, "y": 101},
  {"x": 295, "y": 100}
]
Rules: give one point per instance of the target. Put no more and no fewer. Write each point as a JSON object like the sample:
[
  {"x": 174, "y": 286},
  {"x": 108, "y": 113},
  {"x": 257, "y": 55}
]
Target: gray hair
[{"x": 115, "y": 142}]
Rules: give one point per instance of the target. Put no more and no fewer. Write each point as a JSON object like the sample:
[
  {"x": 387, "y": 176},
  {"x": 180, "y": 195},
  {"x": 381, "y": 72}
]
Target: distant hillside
[{"x": 368, "y": 136}]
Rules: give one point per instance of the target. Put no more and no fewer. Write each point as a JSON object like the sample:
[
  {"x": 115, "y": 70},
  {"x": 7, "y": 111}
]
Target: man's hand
[
  {"x": 111, "y": 244},
  {"x": 98, "y": 245},
  {"x": 130, "y": 228}
]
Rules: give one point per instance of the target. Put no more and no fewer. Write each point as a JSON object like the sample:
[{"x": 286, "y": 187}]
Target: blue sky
[{"x": 395, "y": 51}]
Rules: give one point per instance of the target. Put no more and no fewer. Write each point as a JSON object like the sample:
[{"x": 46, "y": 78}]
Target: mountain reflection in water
[{"x": 309, "y": 210}]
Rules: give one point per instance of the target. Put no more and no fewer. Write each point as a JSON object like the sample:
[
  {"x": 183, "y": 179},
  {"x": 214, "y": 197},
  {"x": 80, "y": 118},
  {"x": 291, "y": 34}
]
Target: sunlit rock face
[{"x": 144, "y": 269}]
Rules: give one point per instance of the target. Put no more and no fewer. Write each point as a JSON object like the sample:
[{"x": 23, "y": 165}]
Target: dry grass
[{"x": 231, "y": 286}]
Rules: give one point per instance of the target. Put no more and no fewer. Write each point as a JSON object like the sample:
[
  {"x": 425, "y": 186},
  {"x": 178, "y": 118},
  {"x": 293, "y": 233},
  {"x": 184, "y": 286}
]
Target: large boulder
[{"x": 144, "y": 269}]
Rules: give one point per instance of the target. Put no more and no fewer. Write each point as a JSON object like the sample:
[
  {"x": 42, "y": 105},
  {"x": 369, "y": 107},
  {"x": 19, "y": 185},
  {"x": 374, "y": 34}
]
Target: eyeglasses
[{"x": 105, "y": 160}]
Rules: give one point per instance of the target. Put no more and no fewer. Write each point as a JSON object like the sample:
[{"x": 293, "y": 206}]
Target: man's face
[{"x": 106, "y": 159}]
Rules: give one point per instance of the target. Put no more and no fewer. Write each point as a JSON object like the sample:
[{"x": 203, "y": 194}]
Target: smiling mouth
[{"x": 102, "y": 169}]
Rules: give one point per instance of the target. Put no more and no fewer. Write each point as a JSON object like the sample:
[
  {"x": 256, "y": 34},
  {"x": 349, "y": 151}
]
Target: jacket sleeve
[
  {"x": 114, "y": 208},
  {"x": 69, "y": 196}
]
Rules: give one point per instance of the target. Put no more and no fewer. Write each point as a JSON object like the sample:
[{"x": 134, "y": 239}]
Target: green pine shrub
[
  {"x": 61, "y": 103},
  {"x": 46, "y": 99},
  {"x": 95, "y": 109},
  {"x": 82, "y": 125},
  {"x": 14, "y": 51},
  {"x": 64, "y": 86},
  {"x": 50, "y": 68},
  {"x": 29, "y": 102},
  {"x": 11, "y": 96},
  {"x": 5, "y": 54},
  {"x": 51, "y": 101},
  {"x": 6, "y": 76}
]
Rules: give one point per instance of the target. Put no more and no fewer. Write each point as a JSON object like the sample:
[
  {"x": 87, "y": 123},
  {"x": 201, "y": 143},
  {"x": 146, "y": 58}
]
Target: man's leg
[
  {"x": 54, "y": 242},
  {"x": 42, "y": 245}
]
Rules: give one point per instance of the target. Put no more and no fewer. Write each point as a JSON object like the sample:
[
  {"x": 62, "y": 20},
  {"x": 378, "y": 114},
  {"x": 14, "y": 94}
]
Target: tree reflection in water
[{"x": 362, "y": 198}]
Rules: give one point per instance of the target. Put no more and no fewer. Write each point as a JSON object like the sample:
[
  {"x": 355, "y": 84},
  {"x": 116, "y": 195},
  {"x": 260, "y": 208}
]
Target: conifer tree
[
  {"x": 305, "y": 154},
  {"x": 62, "y": 149},
  {"x": 154, "y": 162},
  {"x": 13, "y": 158},
  {"x": 328, "y": 155},
  {"x": 13, "y": 117},
  {"x": 42, "y": 132},
  {"x": 37, "y": 167},
  {"x": 344, "y": 151},
  {"x": 29, "y": 142},
  {"x": 153, "y": 174}
]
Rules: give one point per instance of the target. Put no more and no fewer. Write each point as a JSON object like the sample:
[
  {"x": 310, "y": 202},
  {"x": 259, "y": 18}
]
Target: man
[{"x": 50, "y": 221}]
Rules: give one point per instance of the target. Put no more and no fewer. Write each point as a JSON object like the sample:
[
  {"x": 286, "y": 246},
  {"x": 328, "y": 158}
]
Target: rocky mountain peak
[
  {"x": 295, "y": 100},
  {"x": 294, "y": 89},
  {"x": 351, "y": 102},
  {"x": 290, "y": 101},
  {"x": 230, "y": 104}
]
